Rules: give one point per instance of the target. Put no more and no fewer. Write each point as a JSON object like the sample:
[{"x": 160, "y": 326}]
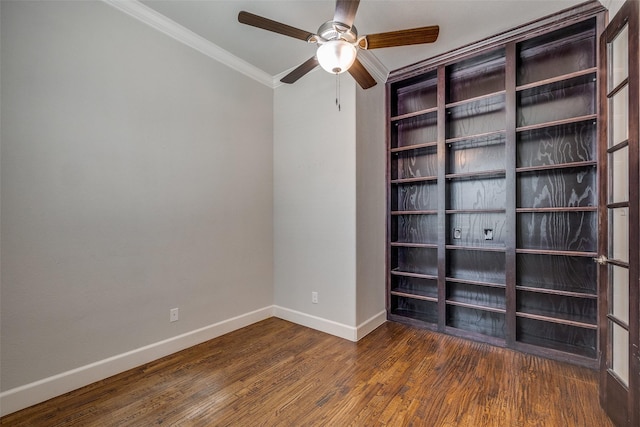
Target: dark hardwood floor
[{"x": 275, "y": 373}]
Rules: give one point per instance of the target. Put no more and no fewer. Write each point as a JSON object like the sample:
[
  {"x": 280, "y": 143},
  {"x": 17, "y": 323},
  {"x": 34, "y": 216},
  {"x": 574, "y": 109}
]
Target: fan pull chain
[{"x": 338, "y": 91}]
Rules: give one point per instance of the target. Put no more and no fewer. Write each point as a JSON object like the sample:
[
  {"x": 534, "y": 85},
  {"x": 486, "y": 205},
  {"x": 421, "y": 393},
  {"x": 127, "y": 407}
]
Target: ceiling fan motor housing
[{"x": 334, "y": 30}]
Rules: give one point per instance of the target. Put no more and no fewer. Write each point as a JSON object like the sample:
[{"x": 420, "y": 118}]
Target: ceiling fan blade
[
  {"x": 401, "y": 37},
  {"x": 270, "y": 25},
  {"x": 361, "y": 75},
  {"x": 346, "y": 11},
  {"x": 303, "y": 69}
]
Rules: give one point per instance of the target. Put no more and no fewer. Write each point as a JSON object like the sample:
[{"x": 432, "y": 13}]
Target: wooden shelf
[
  {"x": 424, "y": 212},
  {"x": 413, "y": 180},
  {"x": 413, "y": 147},
  {"x": 416, "y": 275},
  {"x": 497, "y": 173},
  {"x": 591, "y": 163},
  {"x": 556, "y": 292},
  {"x": 474, "y": 211},
  {"x": 559, "y": 209},
  {"x": 413, "y": 245},
  {"x": 414, "y": 114},
  {"x": 486, "y": 135},
  {"x": 555, "y": 252},
  {"x": 414, "y": 296},
  {"x": 476, "y": 283},
  {"x": 557, "y": 123},
  {"x": 476, "y": 248},
  {"x": 586, "y": 72},
  {"x": 557, "y": 320},
  {"x": 476, "y": 306},
  {"x": 485, "y": 97}
]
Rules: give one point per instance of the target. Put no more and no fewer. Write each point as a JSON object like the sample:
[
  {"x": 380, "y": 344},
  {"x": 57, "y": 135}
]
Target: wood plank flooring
[{"x": 275, "y": 373}]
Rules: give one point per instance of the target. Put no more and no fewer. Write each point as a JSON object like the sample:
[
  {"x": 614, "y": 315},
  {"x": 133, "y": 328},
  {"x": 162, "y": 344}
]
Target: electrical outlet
[
  {"x": 314, "y": 297},
  {"x": 174, "y": 315}
]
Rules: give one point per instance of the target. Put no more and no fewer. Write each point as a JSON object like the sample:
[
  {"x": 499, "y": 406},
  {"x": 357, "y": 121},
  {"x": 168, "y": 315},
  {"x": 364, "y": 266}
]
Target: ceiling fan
[{"x": 338, "y": 42}]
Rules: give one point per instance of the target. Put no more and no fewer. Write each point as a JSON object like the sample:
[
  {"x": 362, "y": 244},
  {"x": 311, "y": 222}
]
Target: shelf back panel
[
  {"x": 472, "y": 320},
  {"x": 476, "y": 155},
  {"x": 477, "y": 193},
  {"x": 417, "y": 163},
  {"x": 562, "y": 231},
  {"x": 476, "y": 295},
  {"x": 426, "y": 311},
  {"x": 476, "y": 265},
  {"x": 567, "y": 338},
  {"x": 574, "y": 187},
  {"x": 478, "y": 117},
  {"x": 558, "y": 53},
  {"x": 560, "y": 101},
  {"x": 414, "y": 197},
  {"x": 557, "y": 272},
  {"x": 417, "y": 260},
  {"x": 555, "y": 145},
  {"x": 414, "y": 131},
  {"x": 477, "y": 229},
  {"x": 415, "y": 285},
  {"x": 414, "y": 229}
]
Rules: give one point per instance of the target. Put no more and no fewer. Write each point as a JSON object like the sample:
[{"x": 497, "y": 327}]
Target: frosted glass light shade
[{"x": 336, "y": 56}]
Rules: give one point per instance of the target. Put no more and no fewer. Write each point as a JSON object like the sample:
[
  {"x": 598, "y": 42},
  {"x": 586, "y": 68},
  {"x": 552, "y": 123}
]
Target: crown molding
[
  {"x": 375, "y": 67},
  {"x": 176, "y": 31}
]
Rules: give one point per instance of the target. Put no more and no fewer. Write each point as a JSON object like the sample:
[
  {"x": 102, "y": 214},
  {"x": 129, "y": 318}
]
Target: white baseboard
[
  {"x": 30, "y": 394},
  {"x": 314, "y": 322},
  {"x": 329, "y": 326},
  {"x": 370, "y": 324}
]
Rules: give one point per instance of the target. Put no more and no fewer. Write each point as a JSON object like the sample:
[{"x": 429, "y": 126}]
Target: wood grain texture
[
  {"x": 415, "y": 229},
  {"x": 476, "y": 155},
  {"x": 564, "y": 231},
  {"x": 275, "y": 373},
  {"x": 415, "y": 95},
  {"x": 562, "y": 273},
  {"x": 554, "y": 54},
  {"x": 479, "y": 266},
  {"x": 477, "y": 193},
  {"x": 406, "y": 37},
  {"x": 416, "y": 130},
  {"x": 414, "y": 197},
  {"x": 557, "y": 145},
  {"x": 476, "y": 76},
  {"x": 472, "y": 228},
  {"x": 478, "y": 321},
  {"x": 572, "y": 187},
  {"x": 557, "y": 336},
  {"x": 415, "y": 286},
  {"x": 417, "y": 260},
  {"x": 414, "y": 163},
  {"x": 477, "y": 117},
  {"x": 561, "y": 100}
]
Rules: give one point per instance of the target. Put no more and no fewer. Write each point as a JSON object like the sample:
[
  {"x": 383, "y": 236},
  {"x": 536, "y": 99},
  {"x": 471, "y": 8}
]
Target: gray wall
[
  {"x": 370, "y": 202},
  {"x": 136, "y": 176},
  {"x": 314, "y": 197}
]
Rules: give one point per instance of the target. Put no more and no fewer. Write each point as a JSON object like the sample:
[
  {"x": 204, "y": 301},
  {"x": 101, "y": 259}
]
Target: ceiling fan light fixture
[{"x": 336, "y": 56}]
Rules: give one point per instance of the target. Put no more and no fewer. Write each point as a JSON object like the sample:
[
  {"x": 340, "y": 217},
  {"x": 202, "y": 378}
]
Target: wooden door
[{"x": 619, "y": 218}]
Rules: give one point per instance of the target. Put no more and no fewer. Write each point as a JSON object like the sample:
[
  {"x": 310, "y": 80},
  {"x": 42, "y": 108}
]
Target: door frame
[{"x": 621, "y": 405}]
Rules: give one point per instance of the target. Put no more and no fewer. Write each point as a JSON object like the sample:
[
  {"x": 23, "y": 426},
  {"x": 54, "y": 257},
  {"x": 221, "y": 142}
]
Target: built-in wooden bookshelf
[{"x": 492, "y": 189}]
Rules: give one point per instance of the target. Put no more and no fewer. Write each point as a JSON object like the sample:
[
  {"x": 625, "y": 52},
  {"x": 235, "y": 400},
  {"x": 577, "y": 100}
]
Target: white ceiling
[{"x": 461, "y": 22}]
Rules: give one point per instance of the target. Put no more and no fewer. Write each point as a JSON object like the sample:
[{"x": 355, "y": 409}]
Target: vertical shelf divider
[
  {"x": 510, "y": 208},
  {"x": 442, "y": 198}
]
